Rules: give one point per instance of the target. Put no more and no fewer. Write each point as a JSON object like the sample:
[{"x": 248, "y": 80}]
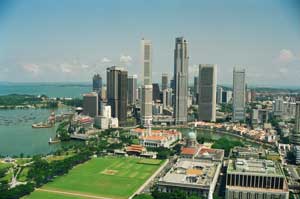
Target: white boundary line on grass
[{"x": 72, "y": 194}]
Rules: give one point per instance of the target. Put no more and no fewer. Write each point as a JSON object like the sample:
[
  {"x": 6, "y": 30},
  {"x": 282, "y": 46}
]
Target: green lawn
[
  {"x": 114, "y": 177},
  {"x": 46, "y": 195}
]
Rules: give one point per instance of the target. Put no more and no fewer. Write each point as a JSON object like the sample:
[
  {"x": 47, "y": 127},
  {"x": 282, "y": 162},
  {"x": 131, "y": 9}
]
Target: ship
[
  {"x": 42, "y": 125},
  {"x": 53, "y": 141}
]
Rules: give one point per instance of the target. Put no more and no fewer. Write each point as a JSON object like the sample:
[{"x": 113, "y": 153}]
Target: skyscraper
[
  {"x": 147, "y": 61},
  {"x": 207, "y": 92},
  {"x": 97, "y": 83},
  {"x": 167, "y": 97},
  {"x": 146, "y": 105},
  {"x": 196, "y": 87},
  {"x": 117, "y": 92},
  {"x": 90, "y": 104},
  {"x": 181, "y": 62},
  {"x": 238, "y": 95},
  {"x": 132, "y": 89},
  {"x": 97, "y": 87},
  {"x": 295, "y": 136},
  {"x": 219, "y": 94},
  {"x": 155, "y": 92},
  {"x": 164, "y": 81}
]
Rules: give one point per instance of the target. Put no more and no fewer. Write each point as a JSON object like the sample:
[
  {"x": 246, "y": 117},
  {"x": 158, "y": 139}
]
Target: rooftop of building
[
  {"x": 91, "y": 94},
  {"x": 171, "y": 132},
  {"x": 255, "y": 167},
  {"x": 203, "y": 152},
  {"x": 248, "y": 150},
  {"x": 191, "y": 172}
]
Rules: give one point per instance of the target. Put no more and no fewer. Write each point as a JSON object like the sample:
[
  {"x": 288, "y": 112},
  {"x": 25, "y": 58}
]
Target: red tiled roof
[
  {"x": 208, "y": 150},
  {"x": 188, "y": 151}
]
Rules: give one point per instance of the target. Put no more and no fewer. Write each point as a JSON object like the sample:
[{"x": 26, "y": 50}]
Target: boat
[
  {"x": 53, "y": 141},
  {"x": 42, "y": 125}
]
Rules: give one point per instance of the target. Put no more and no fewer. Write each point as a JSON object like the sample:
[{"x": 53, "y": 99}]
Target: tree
[
  {"x": 226, "y": 144},
  {"x": 143, "y": 196}
]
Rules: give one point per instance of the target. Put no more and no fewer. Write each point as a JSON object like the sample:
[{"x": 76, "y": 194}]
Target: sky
[{"x": 70, "y": 40}]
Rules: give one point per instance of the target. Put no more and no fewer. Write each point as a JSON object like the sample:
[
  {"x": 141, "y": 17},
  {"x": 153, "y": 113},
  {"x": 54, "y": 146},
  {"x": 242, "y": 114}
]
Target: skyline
[{"x": 66, "y": 42}]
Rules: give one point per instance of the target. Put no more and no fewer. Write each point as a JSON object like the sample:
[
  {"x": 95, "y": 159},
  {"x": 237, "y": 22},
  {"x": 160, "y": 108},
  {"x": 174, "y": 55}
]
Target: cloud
[
  {"x": 84, "y": 66},
  {"x": 286, "y": 55},
  {"x": 283, "y": 70},
  {"x": 31, "y": 68},
  {"x": 65, "y": 68},
  {"x": 126, "y": 59},
  {"x": 105, "y": 60}
]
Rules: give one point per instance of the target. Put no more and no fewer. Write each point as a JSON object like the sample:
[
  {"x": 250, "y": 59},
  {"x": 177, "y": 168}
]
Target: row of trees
[
  {"x": 42, "y": 171},
  {"x": 16, "y": 192}
]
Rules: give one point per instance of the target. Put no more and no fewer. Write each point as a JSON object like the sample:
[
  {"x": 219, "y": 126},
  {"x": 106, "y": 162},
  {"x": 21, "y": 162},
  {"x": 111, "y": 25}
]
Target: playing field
[{"x": 110, "y": 177}]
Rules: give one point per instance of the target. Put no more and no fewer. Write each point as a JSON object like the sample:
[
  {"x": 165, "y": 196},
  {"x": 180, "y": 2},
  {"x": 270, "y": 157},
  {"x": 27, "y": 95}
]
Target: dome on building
[{"x": 192, "y": 135}]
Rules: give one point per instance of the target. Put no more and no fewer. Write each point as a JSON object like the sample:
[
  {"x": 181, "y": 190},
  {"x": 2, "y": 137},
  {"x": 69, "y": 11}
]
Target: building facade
[
  {"x": 164, "y": 81},
  {"x": 97, "y": 83},
  {"x": 226, "y": 96},
  {"x": 238, "y": 95},
  {"x": 132, "y": 89},
  {"x": 90, "y": 104},
  {"x": 295, "y": 137},
  {"x": 219, "y": 95},
  {"x": 255, "y": 178},
  {"x": 117, "y": 92},
  {"x": 207, "y": 92},
  {"x": 181, "y": 62},
  {"x": 146, "y": 94},
  {"x": 155, "y": 92}
]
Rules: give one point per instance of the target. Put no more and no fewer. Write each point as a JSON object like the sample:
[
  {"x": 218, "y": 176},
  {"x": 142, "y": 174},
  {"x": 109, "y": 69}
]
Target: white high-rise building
[
  {"x": 207, "y": 92},
  {"x": 219, "y": 95},
  {"x": 278, "y": 107},
  {"x": 146, "y": 105},
  {"x": 181, "y": 62},
  {"x": 238, "y": 95}
]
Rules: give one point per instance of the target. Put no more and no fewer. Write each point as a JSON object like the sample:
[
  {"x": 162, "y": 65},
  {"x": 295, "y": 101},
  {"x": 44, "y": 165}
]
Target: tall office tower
[
  {"x": 196, "y": 87},
  {"x": 146, "y": 105},
  {"x": 167, "y": 98},
  {"x": 238, "y": 95},
  {"x": 90, "y": 104},
  {"x": 219, "y": 95},
  {"x": 155, "y": 92},
  {"x": 97, "y": 87},
  {"x": 117, "y": 92},
  {"x": 132, "y": 89},
  {"x": 181, "y": 62},
  {"x": 295, "y": 136},
  {"x": 97, "y": 83},
  {"x": 147, "y": 61},
  {"x": 226, "y": 96},
  {"x": 207, "y": 92},
  {"x": 139, "y": 92},
  {"x": 172, "y": 84},
  {"x": 278, "y": 107},
  {"x": 253, "y": 95},
  {"x": 195, "y": 90},
  {"x": 164, "y": 81}
]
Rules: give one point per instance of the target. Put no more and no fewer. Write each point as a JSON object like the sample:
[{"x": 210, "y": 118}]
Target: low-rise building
[
  {"x": 156, "y": 138},
  {"x": 193, "y": 176},
  {"x": 253, "y": 173},
  {"x": 255, "y": 178}
]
